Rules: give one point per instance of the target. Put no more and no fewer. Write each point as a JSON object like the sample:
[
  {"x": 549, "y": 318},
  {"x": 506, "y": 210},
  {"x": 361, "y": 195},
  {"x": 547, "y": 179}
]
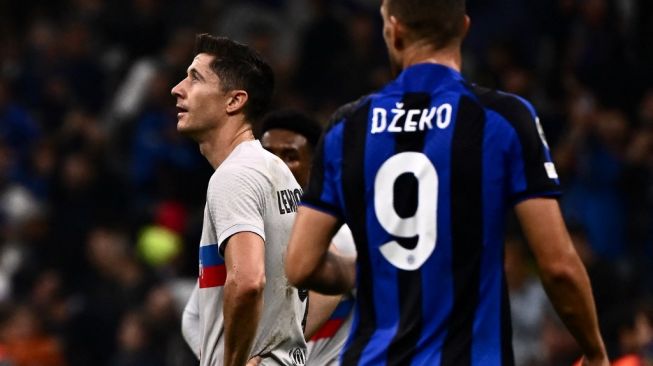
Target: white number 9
[{"x": 423, "y": 224}]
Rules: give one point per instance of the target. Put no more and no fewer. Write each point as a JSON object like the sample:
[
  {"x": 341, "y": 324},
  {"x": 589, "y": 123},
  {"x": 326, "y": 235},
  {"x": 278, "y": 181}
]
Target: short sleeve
[
  {"x": 236, "y": 202},
  {"x": 323, "y": 188},
  {"x": 531, "y": 171}
]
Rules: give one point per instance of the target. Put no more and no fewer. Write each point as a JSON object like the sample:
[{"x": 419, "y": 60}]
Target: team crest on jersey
[{"x": 297, "y": 356}]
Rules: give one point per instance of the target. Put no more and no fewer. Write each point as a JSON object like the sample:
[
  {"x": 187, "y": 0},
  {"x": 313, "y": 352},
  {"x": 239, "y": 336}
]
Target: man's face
[
  {"x": 293, "y": 149},
  {"x": 200, "y": 99}
]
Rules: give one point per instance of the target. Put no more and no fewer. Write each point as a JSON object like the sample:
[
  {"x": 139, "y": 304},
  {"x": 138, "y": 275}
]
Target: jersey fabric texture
[
  {"x": 423, "y": 173},
  {"x": 325, "y": 345},
  {"x": 253, "y": 191}
]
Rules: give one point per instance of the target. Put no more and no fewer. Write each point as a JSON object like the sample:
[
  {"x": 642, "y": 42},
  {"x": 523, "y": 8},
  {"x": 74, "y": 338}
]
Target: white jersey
[
  {"x": 253, "y": 191},
  {"x": 325, "y": 345}
]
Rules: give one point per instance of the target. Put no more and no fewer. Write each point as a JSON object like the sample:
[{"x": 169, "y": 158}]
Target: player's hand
[{"x": 255, "y": 361}]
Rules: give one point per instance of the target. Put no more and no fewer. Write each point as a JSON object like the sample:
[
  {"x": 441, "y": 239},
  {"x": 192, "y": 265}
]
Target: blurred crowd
[{"x": 101, "y": 200}]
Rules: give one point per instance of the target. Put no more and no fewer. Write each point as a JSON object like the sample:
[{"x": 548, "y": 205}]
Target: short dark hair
[
  {"x": 437, "y": 21},
  {"x": 239, "y": 67},
  {"x": 293, "y": 121}
]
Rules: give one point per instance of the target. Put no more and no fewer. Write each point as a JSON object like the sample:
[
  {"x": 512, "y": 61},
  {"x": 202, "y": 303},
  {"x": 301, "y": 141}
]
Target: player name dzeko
[{"x": 412, "y": 120}]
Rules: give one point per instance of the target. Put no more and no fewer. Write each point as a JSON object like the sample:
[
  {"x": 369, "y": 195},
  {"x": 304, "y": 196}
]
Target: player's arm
[
  {"x": 243, "y": 295},
  {"x": 190, "y": 322},
  {"x": 309, "y": 263},
  {"x": 563, "y": 274},
  {"x": 320, "y": 308}
]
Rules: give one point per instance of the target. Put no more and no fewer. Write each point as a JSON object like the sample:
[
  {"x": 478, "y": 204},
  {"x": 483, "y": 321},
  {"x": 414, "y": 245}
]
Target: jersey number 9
[{"x": 422, "y": 224}]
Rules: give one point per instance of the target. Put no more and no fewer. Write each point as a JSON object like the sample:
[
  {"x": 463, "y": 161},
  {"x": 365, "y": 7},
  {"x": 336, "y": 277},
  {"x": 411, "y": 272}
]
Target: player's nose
[{"x": 178, "y": 90}]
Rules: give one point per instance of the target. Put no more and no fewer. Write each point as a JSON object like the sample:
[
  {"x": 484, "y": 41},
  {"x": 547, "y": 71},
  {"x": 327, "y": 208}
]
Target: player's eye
[{"x": 290, "y": 155}]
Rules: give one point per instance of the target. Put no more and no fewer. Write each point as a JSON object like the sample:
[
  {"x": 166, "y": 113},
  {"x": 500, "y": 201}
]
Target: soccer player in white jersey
[
  {"x": 293, "y": 137},
  {"x": 243, "y": 310}
]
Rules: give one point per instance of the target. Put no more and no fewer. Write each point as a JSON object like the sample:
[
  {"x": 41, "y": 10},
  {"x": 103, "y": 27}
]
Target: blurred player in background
[
  {"x": 243, "y": 309},
  {"x": 293, "y": 137},
  {"x": 423, "y": 172}
]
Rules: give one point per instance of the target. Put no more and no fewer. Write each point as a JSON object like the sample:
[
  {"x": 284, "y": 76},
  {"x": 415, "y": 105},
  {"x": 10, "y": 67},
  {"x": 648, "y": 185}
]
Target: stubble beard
[{"x": 188, "y": 130}]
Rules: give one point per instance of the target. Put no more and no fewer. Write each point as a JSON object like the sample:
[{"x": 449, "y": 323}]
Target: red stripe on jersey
[
  {"x": 213, "y": 276},
  {"x": 328, "y": 330}
]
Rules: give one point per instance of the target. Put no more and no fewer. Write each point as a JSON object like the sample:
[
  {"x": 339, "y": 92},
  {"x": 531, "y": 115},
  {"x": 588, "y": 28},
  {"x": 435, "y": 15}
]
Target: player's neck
[
  {"x": 223, "y": 140},
  {"x": 420, "y": 53}
]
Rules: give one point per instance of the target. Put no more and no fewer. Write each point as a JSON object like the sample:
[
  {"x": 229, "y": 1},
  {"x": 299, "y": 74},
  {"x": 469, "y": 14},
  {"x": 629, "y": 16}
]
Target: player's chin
[{"x": 183, "y": 126}]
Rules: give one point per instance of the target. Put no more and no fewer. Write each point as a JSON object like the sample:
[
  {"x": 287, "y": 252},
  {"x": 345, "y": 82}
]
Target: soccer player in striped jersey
[
  {"x": 423, "y": 172},
  {"x": 243, "y": 310},
  {"x": 293, "y": 137}
]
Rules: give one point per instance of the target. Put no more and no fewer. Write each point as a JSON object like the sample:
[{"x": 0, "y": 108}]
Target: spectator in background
[
  {"x": 592, "y": 159},
  {"x": 38, "y": 171},
  {"x": 639, "y": 190},
  {"x": 79, "y": 68},
  {"x": 25, "y": 341},
  {"x": 325, "y": 47},
  {"x": 132, "y": 94},
  {"x": 163, "y": 317},
  {"x": 635, "y": 335},
  {"x": 135, "y": 346},
  {"x": 17, "y": 128},
  {"x": 114, "y": 283}
]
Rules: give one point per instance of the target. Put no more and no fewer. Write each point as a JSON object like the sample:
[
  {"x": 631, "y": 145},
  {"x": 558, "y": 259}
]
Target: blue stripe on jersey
[
  {"x": 517, "y": 180},
  {"x": 343, "y": 309},
  {"x": 210, "y": 256},
  {"x": 332, "y": 191}
]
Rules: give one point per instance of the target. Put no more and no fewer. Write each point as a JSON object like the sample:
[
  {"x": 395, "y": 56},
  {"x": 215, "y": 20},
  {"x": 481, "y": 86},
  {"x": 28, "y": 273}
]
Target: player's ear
[
  {"x": 236, "y": 101},
  {"x": 397, "y": 33},
  {"x": 466, "y": 24}
]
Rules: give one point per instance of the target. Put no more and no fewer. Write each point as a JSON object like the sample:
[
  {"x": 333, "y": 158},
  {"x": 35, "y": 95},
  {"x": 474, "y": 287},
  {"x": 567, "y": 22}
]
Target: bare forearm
[
  {"x": 571, "y": 295},
  {"x": 563, "y": 273},
  {"x": 320, "y": 308},
  {"x": 242, "y": 312},
  {"x": 334, "y": 274}
]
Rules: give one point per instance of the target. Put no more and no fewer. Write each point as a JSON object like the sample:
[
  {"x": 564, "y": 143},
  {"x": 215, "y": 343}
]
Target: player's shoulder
[
  {"x": 513, "y": 108},
  {"x": 347, "y": 110},
  {"x": 248, "y": 162}
]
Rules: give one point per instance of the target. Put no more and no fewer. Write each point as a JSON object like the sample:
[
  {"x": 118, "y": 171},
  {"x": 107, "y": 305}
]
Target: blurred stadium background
[{"x": 101, "y": 200}]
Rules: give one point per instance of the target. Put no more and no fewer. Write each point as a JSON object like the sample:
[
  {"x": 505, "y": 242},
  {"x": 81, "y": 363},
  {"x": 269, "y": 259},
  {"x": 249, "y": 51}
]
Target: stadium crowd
[{"x": 101, "y": 200}]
